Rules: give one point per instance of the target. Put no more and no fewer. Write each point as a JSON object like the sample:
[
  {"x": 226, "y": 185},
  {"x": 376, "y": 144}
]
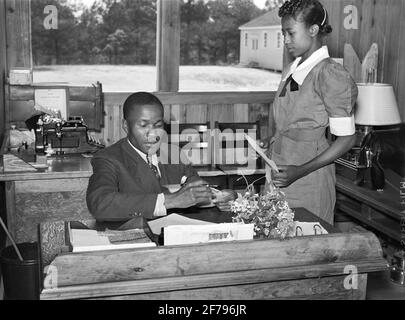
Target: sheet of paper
[
  {"x": 12, "y": 163},
  {"x": 173, "y": 219},
  {"x": 84, "y": 240},
  {"x": 259, "y": 151},
  {"x": 177, "y": 235},
  {"x": 309, "y": 228},
  {"x": 53, "y": 99}
]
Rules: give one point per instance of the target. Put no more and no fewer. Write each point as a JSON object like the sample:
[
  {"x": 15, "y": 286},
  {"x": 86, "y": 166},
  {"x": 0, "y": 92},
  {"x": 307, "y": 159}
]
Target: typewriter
[{"x": 63, "y": 137}]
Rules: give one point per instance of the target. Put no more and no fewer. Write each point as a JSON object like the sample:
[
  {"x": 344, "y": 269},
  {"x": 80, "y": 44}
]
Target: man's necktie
[
  {"x": 153, "y": 167},
  {"x": 293, "y": 86}
]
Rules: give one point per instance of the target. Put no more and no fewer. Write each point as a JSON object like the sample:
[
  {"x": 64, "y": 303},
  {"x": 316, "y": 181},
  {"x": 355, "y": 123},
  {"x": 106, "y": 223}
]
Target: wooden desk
[
  {"x": 59, "y": 193},
  {"x": 298, "y": 268},
  {"x": 380, "y": 211}
]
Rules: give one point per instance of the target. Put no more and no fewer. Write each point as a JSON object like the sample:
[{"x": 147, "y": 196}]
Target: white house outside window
[
  {"x": 278, "y": 40},
  {"x": 265, "y": 40}
]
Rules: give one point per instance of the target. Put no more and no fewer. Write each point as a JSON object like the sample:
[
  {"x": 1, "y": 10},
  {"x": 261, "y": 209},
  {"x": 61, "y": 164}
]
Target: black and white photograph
[{"x": 202, "y": 158}]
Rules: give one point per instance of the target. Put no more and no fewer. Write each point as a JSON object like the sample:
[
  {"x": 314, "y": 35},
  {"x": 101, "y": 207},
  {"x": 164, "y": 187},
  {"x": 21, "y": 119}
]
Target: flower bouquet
[{"x": 269, "y": 212}]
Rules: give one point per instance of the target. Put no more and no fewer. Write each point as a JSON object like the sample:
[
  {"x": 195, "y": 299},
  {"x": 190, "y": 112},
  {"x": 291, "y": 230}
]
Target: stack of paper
[
  {"x": 178, "y": 230},
  {"x": 92, "y": 240}
]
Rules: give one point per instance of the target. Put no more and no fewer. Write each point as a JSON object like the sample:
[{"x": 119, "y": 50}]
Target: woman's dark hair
[{"x": 308, "y": 11}]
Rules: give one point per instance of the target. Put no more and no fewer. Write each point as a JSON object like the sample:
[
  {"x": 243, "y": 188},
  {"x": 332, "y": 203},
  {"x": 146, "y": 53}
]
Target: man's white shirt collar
[
  {"x": 300, "y": 72},
  {"x": 154, "y": 157}
]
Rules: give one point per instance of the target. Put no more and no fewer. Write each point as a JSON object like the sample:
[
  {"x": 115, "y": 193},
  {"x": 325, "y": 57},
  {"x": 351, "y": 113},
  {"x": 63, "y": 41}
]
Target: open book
[{"x": 82, "y": 240}]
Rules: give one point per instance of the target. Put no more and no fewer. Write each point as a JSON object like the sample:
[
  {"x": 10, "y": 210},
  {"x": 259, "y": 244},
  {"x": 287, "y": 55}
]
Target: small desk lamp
[{"x": 376, "y": 106}]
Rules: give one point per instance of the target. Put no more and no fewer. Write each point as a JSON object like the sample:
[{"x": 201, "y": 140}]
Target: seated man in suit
[{"x": 128, "y": 180}]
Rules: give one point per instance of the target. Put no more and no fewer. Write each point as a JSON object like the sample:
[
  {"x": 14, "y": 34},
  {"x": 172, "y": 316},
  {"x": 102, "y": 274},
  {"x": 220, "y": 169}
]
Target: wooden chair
[
  {"x": 194, "y": 141},
  {"x": 231, "y": 149}
]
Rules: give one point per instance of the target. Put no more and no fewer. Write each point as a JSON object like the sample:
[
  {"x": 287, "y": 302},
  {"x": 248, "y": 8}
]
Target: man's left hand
[{"x": 224, "y": 206}]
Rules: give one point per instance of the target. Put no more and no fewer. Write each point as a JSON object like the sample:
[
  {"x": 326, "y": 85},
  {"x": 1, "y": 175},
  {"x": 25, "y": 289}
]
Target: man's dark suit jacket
[{"x": 123, "y": 186}]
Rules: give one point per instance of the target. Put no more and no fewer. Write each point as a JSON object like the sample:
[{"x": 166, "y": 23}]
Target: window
[
  {"x": 115, "y": 41},
  {"x": 265, "y": 39},
  {"x": 255, "y": 44},
  {"x": 82, "y": 42},
  {"x": 212, "y": 46},
  {"x": 278, "y": 40}
]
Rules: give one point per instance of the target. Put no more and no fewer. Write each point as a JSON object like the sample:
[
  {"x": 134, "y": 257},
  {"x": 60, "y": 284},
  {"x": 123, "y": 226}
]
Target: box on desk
[{"x": 176, "y": 229}]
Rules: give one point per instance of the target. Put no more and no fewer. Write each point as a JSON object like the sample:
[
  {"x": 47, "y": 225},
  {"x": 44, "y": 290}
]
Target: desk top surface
[
  {"x": 78, "y": 166},
  {"x": 387, "y": 200}
]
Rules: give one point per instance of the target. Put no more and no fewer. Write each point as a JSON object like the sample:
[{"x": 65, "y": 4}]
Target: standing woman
[{"x": 315, "y": 93}]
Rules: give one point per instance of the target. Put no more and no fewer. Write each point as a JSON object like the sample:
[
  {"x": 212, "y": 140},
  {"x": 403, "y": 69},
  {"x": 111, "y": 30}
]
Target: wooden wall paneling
[
  {"x": 167, "y": 113},
  {"x": 21, "y": 92},
  {"x": 168, "y": 45},
  {"x": 347, "y": 36},
  {"x": 18, "y": 25},
  {"x": 3, "y": 68},
  {"x": 367, "y": 27},
  {"x": 351, "y": 62},
  {"x": 335, "y": 11},
  {"x": 380, "y": 22},
  {"x": 260, "y": 112},
  {"x": 117, "y": 122},
  {"x": 121, "y": 117},
  {"x": 109, "y": 125},
  {"x": 400, "y": 87},
  {"x": 355, "y": 35},
  {"x": 241, "y": 112},
  {"x": 197, "y": 113},
  {"x": 222, "y": 113},
  {"x": 189, "y": 98},
  {"x": 178, "y": 113},
  {"x": 391, "y": 52},
  {"x": 21, "y": 111}
]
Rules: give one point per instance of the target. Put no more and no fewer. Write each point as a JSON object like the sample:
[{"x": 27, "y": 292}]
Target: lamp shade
[{"x": 376, "y": 105}]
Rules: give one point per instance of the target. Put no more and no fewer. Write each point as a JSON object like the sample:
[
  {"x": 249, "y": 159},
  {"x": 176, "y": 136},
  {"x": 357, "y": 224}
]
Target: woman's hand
[
  {"x": 264, "y": 144},
  {"x": 287, "y": 175},
  {"x": 223, "y": 199}
]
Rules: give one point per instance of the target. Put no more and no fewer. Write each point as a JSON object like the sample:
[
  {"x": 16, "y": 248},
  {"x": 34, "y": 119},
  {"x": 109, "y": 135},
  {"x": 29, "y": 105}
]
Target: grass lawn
[{"x": 116, "y": 78}]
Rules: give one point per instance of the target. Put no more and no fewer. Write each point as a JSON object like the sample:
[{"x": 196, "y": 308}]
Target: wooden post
[
  {"x": 18, "y": 36},
  {"x": 3, "y": 67},
  {"x": 168, "y": 45}
]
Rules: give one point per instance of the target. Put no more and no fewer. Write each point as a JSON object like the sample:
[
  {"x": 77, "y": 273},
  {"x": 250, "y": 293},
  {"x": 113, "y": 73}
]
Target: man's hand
[
  {"x": 191, "y": 194},
  {"x": 223, "y": 199}
]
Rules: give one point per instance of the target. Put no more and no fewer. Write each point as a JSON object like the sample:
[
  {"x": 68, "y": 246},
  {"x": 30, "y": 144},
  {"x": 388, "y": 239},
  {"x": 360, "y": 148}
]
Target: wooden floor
[{"x": 380, "y": 287}]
